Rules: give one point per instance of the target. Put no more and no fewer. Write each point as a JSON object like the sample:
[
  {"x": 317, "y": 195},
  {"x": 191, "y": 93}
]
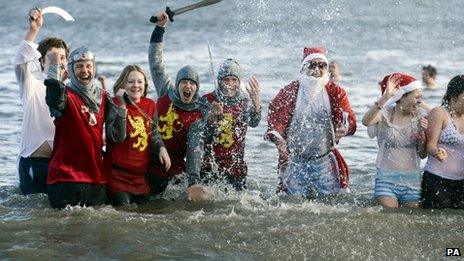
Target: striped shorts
[{"x": 403, "y": 194}]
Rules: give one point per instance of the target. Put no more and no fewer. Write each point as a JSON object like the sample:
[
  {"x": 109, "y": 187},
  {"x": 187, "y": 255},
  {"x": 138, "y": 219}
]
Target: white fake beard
[{"x": 311, "y": 86}]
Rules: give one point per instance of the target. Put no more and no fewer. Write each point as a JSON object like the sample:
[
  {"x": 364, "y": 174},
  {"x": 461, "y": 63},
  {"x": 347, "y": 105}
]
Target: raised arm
[
  {"x": 160, "y": 78},
  {"x": 254, "y": 111},
  {"x": 372, "y": 116},
  {"x": 26, "y": 60}
]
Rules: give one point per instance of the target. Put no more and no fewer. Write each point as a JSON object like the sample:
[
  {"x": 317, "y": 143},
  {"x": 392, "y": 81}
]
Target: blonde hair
[{"x": 122, "y": 80}]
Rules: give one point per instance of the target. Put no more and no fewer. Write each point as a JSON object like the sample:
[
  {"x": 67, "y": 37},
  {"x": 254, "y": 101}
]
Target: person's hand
[
  {"x": 283, "y": 151},
  {"x": 163, "y": 19},
  {"x": 340, "y": 132},
  {"x": 102, "y": 80},
  {"x": 217, "y": 109},
  {"x": 120, "y": 94},
  {"x": 254, "y": 90},
  {"x": 53, "y": 57},
  {"x": 164, "y": 158},
  {"x": 35, "y": 19},
  {"x": 195, "y": 193},
  {"x": 393, "y": 85},
  {"x": 440, "y": 154},
  {"x": 423, "y": 124}
]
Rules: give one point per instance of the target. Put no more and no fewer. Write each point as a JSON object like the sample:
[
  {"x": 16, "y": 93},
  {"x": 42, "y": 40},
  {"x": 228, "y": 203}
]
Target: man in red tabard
[
  {"x": 76, "y": 175},
  {"x": 306, "y": 120},
  {"x": 179, "y": 116},
  {"x": 232, "y": 111}
]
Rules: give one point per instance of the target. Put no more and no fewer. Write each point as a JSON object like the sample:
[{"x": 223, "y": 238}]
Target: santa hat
[
  {"x": 310, "y": 53},
  {"x": 407, "y": 84}
]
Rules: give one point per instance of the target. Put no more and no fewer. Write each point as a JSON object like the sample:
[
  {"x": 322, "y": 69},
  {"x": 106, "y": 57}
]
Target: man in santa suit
[{"x": 306, "y": 120}]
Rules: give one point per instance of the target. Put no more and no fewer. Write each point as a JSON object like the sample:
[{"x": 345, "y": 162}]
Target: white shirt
[{"x": 37, "y": 125}]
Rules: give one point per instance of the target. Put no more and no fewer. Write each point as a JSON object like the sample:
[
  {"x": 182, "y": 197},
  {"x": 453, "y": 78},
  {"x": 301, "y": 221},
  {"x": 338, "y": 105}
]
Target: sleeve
[
  {"x": 26, "y": 65},
  {"x": 209, "y": 131},
  {"x": 372, "y": 130},
  {"x": 253, "y": 117},
  {"x": 346, "y": 108},
  {"x": 277, "y": 116},
  {"x": 54, "y": 72},
  {"x": 195, "y": 151},
  {"x": 156, "y": 140},
  {"x": 115, "y": 121},
  {"x": 161, "y": 79},
  {"x": 55, "y": 97},
  {"x": 27, "y": 52}
]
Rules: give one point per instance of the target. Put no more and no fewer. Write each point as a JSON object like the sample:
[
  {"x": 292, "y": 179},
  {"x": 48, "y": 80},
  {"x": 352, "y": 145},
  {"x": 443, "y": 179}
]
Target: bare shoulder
[
  {"x": 438, "y": 115},
  {"x": 438, "y": 112}
]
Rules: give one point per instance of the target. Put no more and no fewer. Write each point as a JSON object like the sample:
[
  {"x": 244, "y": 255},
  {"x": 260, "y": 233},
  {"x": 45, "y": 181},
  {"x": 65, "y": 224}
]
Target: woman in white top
[
  {"x": 32, "y": 66},
  {"x": 443, "y": 181},
  {"x": 397, "y": 121}
]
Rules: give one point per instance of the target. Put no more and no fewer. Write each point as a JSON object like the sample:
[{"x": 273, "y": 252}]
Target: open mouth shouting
[
  {"x": 187, "y": 95},
  {"x": 187, "y": 89}
]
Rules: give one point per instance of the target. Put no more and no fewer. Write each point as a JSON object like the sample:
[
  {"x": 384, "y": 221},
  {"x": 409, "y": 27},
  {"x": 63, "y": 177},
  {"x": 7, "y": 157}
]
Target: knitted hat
[{"x": 229, "y": 67}]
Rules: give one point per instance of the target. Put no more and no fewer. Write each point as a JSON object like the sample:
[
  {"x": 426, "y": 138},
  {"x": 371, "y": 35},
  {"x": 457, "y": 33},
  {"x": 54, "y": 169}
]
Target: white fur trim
[
  {"x": 314, "y": 56},
  {"x": 412, "y": 86}
]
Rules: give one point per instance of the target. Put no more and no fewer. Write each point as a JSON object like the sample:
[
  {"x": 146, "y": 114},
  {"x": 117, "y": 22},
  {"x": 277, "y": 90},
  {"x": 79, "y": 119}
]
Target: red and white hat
[
  {"x": 407, "y": 84},
  {"x": 310, "y": 53}
]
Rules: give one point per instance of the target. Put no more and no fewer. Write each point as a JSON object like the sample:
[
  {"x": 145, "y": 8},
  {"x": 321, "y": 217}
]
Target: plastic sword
[
  {"x": 56, "y": 10},
  {"x": 184, "y": 9}
]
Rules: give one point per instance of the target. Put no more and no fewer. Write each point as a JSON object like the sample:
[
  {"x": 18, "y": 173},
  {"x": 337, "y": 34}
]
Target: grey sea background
[{"x": 368, "y": 38}]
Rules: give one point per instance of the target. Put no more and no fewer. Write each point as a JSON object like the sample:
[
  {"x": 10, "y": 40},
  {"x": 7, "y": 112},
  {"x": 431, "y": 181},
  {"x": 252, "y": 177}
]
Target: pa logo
[{"x": 452, "y": 252}]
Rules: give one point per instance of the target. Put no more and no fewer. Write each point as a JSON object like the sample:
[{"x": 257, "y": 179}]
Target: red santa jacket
[
  {"x": 173, "y": 126},
  {"x": 281, "y": 111}
]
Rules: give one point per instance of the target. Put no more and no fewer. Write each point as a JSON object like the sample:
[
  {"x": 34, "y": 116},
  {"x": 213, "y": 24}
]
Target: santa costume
[{"x": 305, "y": 114}]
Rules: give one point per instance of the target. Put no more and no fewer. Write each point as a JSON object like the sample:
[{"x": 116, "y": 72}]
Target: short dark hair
[
  {"x": 432, "y": 71},
  {"x": 51, "y": 42},
  {"x": 454, "y": 89}
]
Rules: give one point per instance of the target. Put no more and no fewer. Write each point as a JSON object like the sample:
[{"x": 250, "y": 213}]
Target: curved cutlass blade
[{"x": 56, "y": 10}]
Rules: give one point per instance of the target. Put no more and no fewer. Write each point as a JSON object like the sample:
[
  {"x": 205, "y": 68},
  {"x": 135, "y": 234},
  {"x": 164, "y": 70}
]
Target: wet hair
[
  {"x": 122, "y": 80},
  {"x": 454, "y": 89},
  {"x": 48, "y": 43},
  {"x": 432, "y": 71}
]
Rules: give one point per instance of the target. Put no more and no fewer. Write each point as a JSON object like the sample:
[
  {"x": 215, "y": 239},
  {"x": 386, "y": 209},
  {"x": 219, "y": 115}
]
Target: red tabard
[
  {"x": 173, "y": 126},
  {"x": 127, "y": 163},
  {"x": 76, "y": 155},
  {"x": 228, "y": 148}
]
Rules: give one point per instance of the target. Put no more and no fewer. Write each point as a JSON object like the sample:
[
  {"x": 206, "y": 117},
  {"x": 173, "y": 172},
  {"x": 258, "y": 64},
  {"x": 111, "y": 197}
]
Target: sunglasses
[{"x": 321, "y": 65}]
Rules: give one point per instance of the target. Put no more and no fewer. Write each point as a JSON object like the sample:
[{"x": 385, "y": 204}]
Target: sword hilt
[
  {"x": 30, "y": 15},
  {"x": 169, "y": 12}
]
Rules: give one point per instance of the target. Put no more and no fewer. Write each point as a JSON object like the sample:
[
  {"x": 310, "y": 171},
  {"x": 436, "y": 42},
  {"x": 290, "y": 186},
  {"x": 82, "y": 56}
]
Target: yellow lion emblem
[
  {"x": 226, "y": 139},
  {"x": 139, "y": 130},
  {"x": 168, "y": 127}
]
